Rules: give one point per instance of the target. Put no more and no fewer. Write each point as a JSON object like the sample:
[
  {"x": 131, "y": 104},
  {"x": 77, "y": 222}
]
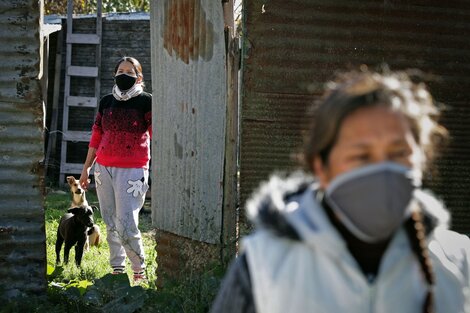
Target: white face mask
[{"x": 372, "y": 201}]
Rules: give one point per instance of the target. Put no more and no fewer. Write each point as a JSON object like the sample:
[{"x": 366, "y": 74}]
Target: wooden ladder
[{"x": 78, "y": 101}]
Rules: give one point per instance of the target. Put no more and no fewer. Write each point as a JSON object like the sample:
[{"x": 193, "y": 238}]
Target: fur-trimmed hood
[{"x": 287, "y": 206}]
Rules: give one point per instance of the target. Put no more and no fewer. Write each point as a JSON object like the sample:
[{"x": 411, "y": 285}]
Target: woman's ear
[{"x": 320, "y": 171}]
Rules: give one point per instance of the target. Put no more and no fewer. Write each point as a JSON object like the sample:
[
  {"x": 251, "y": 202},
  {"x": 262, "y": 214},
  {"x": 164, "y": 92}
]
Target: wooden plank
[
  {"x": 83, "y": 71},
  {"x": 68, "y": 62},
  {"x": 99, "y": 32},
  {"x": 230, "y": 204},
  {"x": 88, "y": 39},
  {"x": 75, "y": 101},
  {"x": 72, "y": 168},
  {"x": 65, "y": 113},
  {"x": 69, "y": 16},
  {"x": 76, "y": 135},
  {"x": 63, "y": 157},
  {"x": 51, "y": 144}
]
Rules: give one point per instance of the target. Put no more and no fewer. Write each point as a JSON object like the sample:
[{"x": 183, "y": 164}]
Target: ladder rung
[
  {"x": 71, "y": 168},
  {"x": 84, "y": 71},
  {"x": 88, "y": 39},
  {"x": 76, "y": 136},
  {"x": 74, "y": 101}
]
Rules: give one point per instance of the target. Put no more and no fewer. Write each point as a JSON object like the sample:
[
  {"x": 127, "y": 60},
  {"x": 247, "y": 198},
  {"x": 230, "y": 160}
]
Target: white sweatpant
[{"x": 121, "y": 194}]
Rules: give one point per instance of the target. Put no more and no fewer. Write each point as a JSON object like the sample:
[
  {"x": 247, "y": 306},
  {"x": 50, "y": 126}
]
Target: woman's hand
[
  {"x": 84, "y": 181},
  {"x": 90, "y": 160}
]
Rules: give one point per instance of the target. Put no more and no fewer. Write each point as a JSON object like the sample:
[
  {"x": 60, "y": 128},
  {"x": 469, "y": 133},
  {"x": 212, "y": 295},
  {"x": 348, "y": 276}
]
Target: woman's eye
[
  {"x": 398, "y": 154},
  {"x": 359, "y": 158}
]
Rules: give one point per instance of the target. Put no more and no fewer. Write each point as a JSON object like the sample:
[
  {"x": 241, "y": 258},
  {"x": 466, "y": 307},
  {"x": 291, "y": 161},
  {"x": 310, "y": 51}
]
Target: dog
[
  {"x": 73, "y": 229},
  {"x": 79, "y": 200},
  {"x": 78, "y": 193}
]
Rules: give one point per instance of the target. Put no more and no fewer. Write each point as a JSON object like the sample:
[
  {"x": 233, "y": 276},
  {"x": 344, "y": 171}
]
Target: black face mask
[{"x": 124, "y": 81}]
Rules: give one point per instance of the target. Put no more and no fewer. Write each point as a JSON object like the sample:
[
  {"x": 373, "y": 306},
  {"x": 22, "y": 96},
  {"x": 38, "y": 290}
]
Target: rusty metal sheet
[
  {"x": 189, "y": 108},
  {"x": 292, "y": 47},
  {"x": 22, "y": 236}
]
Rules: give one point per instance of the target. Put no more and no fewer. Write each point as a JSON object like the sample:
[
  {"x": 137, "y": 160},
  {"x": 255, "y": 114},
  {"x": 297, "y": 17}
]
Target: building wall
[{"x": 292, "y": 48}]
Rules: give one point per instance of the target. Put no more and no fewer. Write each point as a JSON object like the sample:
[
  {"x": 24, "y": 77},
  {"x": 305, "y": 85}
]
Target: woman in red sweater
[{"x": 120, "y": 148}]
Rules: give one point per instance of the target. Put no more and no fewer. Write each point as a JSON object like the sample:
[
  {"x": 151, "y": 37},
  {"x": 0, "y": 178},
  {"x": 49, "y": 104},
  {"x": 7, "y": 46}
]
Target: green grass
[
  {"x": 91, "y": 288},
  {"x": 95, "y": 262}
]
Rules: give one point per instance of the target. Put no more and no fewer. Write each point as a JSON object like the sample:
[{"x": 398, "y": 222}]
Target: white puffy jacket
[{"x": 318, "y": 274}]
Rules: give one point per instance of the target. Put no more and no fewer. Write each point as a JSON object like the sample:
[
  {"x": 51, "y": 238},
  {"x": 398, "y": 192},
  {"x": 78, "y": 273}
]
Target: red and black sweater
[{"x": 122, "y": 131}]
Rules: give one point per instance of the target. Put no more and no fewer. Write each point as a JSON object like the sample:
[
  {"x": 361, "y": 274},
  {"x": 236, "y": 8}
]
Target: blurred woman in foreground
[{"x": 359, "y": 234}]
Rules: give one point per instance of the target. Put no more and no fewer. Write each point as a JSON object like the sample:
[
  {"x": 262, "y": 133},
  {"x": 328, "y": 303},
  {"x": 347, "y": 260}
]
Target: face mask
[
  {"x": 124, "y": 81},
  {"x": 372, "y": 201}
]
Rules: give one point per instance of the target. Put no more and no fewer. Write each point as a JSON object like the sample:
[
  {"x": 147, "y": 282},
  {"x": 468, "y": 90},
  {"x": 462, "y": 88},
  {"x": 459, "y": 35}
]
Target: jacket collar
[{"x": 288, "y": 206}]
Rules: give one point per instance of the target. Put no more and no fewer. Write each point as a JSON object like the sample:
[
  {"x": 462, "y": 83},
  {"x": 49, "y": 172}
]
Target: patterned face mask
[{"x": 372, "y": 201}]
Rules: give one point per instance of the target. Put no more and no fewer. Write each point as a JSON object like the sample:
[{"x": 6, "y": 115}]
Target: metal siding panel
[
  {"x": 292, "y": 47},
  {"x": 188, "y": 59},
  {"x": 22, "y": 236}
]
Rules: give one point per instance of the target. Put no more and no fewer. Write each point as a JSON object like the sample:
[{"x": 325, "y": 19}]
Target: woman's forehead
[
  {"x": 126, "y": 65},
  {"x": 373, "y": 122}
]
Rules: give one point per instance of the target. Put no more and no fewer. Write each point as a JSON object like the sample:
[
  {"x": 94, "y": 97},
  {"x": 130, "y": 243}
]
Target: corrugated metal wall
[
  {"x": 292, "y": 47},
  {"x": 189, "y": 92},
  {"x": 22, "y": 236}
]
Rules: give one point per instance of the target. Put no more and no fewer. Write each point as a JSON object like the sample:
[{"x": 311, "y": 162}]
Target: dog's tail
[
  {"x": 97, "y": 240},
  {"x": 94, "y": 235}
]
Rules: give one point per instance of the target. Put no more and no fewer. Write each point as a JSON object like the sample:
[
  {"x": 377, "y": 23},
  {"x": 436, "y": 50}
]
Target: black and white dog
[
  {"x": 79, "y": 200},
  {"x": 73, "y": 228}
]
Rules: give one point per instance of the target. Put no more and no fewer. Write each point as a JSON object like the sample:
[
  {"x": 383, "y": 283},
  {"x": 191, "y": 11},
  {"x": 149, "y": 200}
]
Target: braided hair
[{"x": 416, "y": 234}]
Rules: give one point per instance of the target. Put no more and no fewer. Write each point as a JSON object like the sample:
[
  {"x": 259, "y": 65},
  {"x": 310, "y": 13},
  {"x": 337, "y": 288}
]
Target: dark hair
[
  {"x": 358, "y": 89},
  {"x": 135, "y": 63},
  {"x": 416, "y": 233}
]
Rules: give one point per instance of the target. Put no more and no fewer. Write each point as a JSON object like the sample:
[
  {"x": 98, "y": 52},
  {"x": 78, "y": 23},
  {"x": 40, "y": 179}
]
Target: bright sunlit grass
[
  {"x": 95, "y": 262},
  {"x": 91, "y": 288}
]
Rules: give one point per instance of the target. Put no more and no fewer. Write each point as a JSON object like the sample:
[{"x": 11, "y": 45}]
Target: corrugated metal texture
[
  {"x": 292, "y": 47},
  {"x": 22, "y": 237},
  {"x": 189, "y": 92}
]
